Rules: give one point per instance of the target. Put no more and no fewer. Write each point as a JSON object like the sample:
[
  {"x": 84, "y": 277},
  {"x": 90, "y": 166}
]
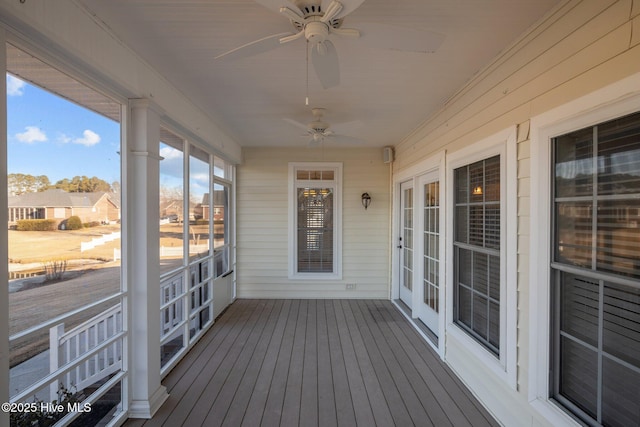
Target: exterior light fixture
[{"x": 366, "y": 200}]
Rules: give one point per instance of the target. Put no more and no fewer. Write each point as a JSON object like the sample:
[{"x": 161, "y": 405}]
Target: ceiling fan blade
[
  {"x": 297, "y": 124},
  {"x": 326, "y": 65},
  {"x": 255, "y": 47},
  {"x": 385, "y": 36},
  {"x": 293, "y": 37},
  {"x": 348, "y": 6},
  {"x": 275, "y": 5}
]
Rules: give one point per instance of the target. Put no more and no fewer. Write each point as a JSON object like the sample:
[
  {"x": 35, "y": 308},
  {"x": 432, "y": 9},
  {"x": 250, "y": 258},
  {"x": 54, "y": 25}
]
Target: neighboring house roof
[{"x": 59, "y": 199}]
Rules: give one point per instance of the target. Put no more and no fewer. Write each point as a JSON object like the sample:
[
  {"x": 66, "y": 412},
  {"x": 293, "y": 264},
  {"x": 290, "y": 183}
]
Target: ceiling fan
[
  {"x": 317, "y": 20},
  {"x": 318, "y": 129}
]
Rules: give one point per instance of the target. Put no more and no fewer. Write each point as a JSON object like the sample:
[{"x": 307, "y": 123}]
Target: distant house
[
  {"x": 202, "y": 210},
  {"x": 60, "y": 205}
]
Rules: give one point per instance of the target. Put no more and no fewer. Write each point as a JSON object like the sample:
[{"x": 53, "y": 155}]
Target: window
[
  {"x": 482, "y": 275},
  {"x": 195, "y": 241},
  {"x": 67, "y": 323},
  {"x": 595, "y": 267},
  {"x": 477, "y": 251},
  {"x": 186, "y": 280},
  {"x": 315, "y": 225},
  {"x": 221, "y": 234}
]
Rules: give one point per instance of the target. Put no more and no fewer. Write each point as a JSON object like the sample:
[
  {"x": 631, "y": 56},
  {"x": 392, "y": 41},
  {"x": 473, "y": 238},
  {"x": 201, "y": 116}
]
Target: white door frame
[{"x": 413, "y": 173}]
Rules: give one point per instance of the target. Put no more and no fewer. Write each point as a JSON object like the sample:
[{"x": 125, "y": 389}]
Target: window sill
[
  {"x": 315, "y": 276},
  {"x": 480, "y": 353}
]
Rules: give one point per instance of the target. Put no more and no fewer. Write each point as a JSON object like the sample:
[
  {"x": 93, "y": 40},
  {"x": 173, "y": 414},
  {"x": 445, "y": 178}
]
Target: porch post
[
  {"x": 143, "y": 264},
  {"x": 4, "y": 206}
]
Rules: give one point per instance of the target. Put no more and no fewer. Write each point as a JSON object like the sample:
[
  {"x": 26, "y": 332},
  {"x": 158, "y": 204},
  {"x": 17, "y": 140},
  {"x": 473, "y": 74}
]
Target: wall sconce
[
  {"x": 477, "y": 191},
  {"x": 366, "y": 200}
]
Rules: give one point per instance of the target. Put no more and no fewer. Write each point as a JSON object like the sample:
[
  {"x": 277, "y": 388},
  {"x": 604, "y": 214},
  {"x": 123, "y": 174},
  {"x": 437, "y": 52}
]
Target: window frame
[
  {"x": 503, "y": 144},
  {"x": 293, "y": 167},
  {"x": 613, "y": 101},
  {"x": 188, "y": 287},
  {"x": 121, "y": 297}
]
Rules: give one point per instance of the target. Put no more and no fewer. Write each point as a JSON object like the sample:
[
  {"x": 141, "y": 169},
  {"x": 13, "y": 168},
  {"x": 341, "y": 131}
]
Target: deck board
[{"x": 314, "y": 363}]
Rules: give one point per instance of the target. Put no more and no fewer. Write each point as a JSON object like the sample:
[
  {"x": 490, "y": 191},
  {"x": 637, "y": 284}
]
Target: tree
[
  {"x": 19, "y": 183},
  {"x": 83, "y": 184},
  {"x": 171, "y": 201}
]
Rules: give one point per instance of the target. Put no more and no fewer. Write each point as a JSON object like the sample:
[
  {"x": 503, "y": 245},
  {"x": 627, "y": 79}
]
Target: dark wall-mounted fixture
[{"x": 366, "y": 200}]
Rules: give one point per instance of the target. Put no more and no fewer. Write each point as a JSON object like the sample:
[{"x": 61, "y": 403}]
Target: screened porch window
[
  {"x": 595, "y": 272},
  {"x": 315, "y": 219}
]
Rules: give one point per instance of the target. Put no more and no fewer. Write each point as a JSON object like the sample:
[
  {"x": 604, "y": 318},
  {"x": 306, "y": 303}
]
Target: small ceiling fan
[
  {"x": 318, "y": 20},
  {"x": 318, "y": 129}
]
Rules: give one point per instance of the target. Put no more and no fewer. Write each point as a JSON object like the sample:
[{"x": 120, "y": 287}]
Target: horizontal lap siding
[
  {"x": 582, "y": 46},
  {"x": 562, "y": 58},
  {"x": 262, "y": 235}
]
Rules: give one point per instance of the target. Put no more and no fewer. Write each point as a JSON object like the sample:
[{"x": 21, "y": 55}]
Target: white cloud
[
  {"x": 89, "y": 138},
  {"x": 64, "y": 139},
  {"x": 170, "y": 153},
  {"x": 15, "y": 86},
  {"x": 32, "y": 134}
]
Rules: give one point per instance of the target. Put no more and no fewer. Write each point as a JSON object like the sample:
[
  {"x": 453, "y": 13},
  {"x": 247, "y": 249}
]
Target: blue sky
[{"x": 48, "y": 135}]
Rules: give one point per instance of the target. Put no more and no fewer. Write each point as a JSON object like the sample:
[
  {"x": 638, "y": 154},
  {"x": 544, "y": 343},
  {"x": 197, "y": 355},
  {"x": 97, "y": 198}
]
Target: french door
[
  {"x": 405, "y": 243},
  {"x": 428, "y": 290}
]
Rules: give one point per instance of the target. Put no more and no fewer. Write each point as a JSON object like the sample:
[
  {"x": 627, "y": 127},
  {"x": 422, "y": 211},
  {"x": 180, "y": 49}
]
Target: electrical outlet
[{"x": 351, "y": 286}]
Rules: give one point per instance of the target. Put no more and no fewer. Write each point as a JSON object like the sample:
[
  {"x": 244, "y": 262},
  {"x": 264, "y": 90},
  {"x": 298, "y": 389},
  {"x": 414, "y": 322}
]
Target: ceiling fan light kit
[
  {"x": 317, "y": 24},
  {"x": 318, "y": 129}
]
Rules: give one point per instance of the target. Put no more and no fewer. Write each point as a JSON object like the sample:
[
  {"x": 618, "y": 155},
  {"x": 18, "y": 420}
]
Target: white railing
[
  {"x": 178, "y": 251},
  {"x": 171, "y": 303},
  {"x": 65, "y": 347},
  {"x": 98, "y": 241}
]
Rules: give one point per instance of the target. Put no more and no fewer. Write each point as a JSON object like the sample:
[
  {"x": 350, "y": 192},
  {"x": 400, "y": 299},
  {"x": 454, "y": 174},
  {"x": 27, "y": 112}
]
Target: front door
[
  {"x": 406, "y": 243},
  {"x": 429, "y": 288}
]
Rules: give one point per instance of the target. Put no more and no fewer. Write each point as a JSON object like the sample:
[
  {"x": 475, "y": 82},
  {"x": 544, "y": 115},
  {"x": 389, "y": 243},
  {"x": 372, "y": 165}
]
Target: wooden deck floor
[{"x": 314, "y": 363}]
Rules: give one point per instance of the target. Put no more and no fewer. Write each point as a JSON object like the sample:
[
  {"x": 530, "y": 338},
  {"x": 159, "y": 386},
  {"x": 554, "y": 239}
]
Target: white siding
[
  {"x": 580, "y": 47},
  {"x": 262, "y": 200}
]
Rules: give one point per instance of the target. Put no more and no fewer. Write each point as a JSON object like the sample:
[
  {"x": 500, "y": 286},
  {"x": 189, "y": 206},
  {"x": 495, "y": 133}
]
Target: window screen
[{"x": 477, "y": 251}]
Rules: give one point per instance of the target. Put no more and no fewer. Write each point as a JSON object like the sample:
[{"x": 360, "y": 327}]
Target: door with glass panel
[
  {"x": 405, "y": 244},
  {"x": 429, "y": 287}
]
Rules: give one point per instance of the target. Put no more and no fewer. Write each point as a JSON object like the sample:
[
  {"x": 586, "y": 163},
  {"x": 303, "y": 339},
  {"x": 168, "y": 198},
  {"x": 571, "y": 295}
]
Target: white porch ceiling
[{"x": 390, "y": 92}]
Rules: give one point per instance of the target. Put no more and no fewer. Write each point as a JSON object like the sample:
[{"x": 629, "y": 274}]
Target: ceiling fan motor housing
[
  {"x": 312, "y": 12},
  {"x": 309, "y": 7},
  {"x": 318, "y": 126},
  {"x": 316, "y": 32}
]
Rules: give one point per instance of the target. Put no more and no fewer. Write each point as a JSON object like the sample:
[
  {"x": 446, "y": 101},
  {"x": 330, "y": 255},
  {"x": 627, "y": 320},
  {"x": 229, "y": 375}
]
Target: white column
[
  {"x": 4, "y": 255},
  {"x": 143, "y": 262}
]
